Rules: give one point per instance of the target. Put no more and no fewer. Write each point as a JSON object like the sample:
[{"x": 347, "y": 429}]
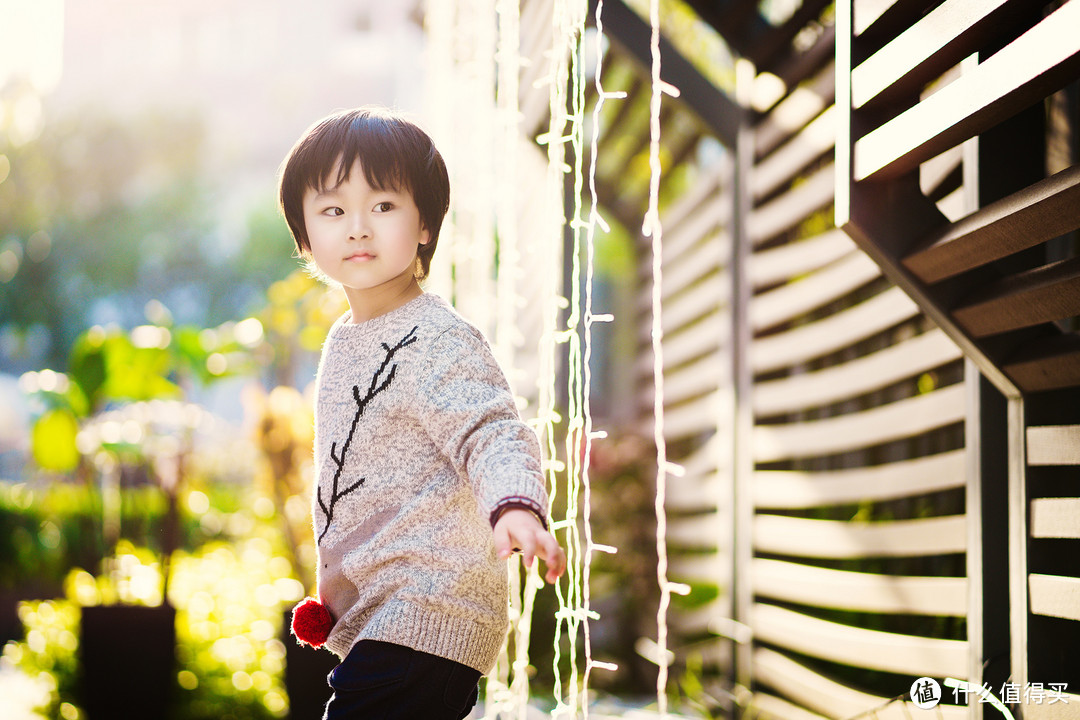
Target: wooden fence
[{"x": 871, "y": 283}]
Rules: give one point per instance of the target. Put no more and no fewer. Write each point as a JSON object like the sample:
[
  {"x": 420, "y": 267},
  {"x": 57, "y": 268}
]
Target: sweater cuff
[{"x": 519, "y": 503}]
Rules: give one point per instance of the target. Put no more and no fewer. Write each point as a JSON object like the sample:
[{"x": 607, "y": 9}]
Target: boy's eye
[
  {"x": 385, "y": 206},
  {"x": 333, "y": 211}
]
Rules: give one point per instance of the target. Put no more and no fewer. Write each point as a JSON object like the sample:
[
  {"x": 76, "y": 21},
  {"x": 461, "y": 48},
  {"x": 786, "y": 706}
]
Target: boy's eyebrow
[
  {"x": 323, "y": 192},
  {"x": 333, "y": 191}
]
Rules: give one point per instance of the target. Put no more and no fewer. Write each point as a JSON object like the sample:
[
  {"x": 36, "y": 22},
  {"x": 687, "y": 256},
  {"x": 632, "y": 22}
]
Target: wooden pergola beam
[{"x": 715, "y": 109}]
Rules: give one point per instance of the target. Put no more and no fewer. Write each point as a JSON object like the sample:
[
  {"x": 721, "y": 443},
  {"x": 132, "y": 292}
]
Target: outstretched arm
[{"x": 518, "y": 529}]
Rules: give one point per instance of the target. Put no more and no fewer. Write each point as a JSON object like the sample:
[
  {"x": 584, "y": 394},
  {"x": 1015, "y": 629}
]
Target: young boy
[{"x": 427, "y": 479}]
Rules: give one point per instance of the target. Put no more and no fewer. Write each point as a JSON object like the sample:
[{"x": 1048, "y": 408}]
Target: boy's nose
[{"x": 359, "y": 228}]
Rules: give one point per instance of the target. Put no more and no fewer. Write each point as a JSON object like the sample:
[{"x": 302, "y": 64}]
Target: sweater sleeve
[{"x": 467, "y": 408}]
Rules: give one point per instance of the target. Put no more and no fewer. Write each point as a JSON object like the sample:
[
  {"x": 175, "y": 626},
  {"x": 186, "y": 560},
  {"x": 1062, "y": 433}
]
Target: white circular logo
[{"x": 925, "y": 693}]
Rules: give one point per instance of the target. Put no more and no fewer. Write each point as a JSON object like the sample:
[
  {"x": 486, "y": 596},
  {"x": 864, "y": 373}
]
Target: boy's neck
[{"x": 369, "y": 304}]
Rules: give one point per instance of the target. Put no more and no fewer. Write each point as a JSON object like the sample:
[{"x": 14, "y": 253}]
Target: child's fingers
[
  {"x": 553, "y": 556},
  {"x": 502, "y": 542},
  {"x": 527, "y": 543},
  {"x": 512, "y": 534}
]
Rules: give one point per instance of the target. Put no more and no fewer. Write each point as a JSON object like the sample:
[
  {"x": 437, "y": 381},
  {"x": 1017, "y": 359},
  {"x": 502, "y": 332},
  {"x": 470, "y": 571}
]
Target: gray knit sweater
[{"x": 418, "y": 446}]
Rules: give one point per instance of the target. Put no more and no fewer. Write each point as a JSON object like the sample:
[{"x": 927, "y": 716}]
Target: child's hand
[{"x": 518, "y": 529}]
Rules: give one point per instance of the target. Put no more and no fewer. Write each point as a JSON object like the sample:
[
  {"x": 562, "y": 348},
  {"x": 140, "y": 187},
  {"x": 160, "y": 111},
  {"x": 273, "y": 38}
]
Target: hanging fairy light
[
  {"x": 653, "y": 229},
  {"x": 565, "y": 128},
  {"x": 589, "y": 434},
  {"x": 474, "y": 65}
]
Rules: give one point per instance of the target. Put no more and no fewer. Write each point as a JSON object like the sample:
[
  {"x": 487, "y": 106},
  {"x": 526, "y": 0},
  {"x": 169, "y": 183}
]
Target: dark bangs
[{"x": 377, "y": 142}]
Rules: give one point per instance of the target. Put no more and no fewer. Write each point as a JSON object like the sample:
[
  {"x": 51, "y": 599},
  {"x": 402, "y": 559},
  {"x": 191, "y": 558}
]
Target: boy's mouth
[{"x": 360, "y": 256}]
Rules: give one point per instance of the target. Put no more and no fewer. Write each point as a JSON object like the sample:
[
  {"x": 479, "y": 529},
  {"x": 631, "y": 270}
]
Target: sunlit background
[
  {"x": 148, "y": 292},
  {"x": 158, "y": 342},
  {"x": 145, "y": 138},
  {"x": 158, "y": 338}
]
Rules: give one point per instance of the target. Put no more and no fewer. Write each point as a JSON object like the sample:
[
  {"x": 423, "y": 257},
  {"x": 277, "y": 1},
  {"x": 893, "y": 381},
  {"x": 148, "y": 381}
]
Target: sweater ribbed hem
[{"x": 459, "y": 639}]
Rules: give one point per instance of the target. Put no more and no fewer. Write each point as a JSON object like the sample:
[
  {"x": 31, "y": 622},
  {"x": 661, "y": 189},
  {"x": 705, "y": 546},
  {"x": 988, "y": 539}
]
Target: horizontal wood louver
[
  {"x": 1001, "y": 279},
  {"x": 870, "y": 216},
  {"x": 858, "y": 400},
  {"x": 1053, "y": 576},
  {"x": 994, "y": 259}
]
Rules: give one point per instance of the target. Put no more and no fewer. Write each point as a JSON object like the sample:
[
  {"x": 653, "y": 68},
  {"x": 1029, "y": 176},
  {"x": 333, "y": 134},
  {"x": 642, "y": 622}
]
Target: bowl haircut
[{"x": 395, "y": 154}]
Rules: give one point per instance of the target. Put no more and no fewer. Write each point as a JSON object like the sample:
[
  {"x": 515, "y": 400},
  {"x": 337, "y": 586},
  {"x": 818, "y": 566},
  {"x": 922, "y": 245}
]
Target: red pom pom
[{"x": 311, "y": 622}]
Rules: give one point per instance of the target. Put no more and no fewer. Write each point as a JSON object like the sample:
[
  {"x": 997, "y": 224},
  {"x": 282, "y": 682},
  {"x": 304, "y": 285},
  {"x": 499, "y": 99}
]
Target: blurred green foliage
[
  {"x": 47, "y": 531},
  {"x": 48, "y": 655},
  {"x": 229, "y": 598},
  {"x": 100, "y": 216},
  {"x": 137, "y": 496},
  {"x": 151, "y": 362}
]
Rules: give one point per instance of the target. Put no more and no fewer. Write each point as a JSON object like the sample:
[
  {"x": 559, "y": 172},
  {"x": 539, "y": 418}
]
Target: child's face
[{"x": 363, "y": 238}]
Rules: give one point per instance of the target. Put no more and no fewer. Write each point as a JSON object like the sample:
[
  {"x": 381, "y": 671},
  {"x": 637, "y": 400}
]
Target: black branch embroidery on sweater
[{"x": 379, "y": 382}]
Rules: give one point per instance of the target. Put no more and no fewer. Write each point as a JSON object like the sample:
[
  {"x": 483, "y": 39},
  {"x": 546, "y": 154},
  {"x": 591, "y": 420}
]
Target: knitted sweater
[{"x": 418, "y": 447}]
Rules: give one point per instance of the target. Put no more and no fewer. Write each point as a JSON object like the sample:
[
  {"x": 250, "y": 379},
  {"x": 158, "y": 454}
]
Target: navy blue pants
[{"x": 382, "y": 681}]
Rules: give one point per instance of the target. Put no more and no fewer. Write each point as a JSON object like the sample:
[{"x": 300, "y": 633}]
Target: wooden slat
[
  {"x": 895, "y": 421},
  {"x": 806, "y": 61},
  {"x": 834, "y": 333},
  {"x": 883, "y": 368},
  {"x": 1041, "y": 295},
  {"x": 700, "y": 532},
  {"x": 699, "y": 196},
  {"x": 1033, "y": 66},
  {"x": 784, "y": 262},
  {"x": 891, "y": 652},
  {"x": 700, "y": 620},
  {"x": 805, "y": 295},
  {"x": 934, "y": 172},
  {"x": 954, "y": 205},
  {"x": 707, "y": 335},
  {"x": 707, "y": 219},
  {"x": 794, "y": 112},
  {"x": 695, "y": 264},
  {"x": 703, "y": 459},
  {"x": 802, "y": 537},
  {"x": 788, "y": 210},
  {"x": 1024, "y": 219},
  {"x": 1053, "y": 445},
  {"x": 688, "y": 306},
  {"x": 1055, "y": 518},
  {"x": 1065, "y": 708},
  {"x": 1051, "y": 364},
  {"x": 707, "y": 568},
  {"x": 702, "y": 486},
  {"x": 833, "y": 699},
  {"x": 940, "y": 39},
  {"x": 770, "y": 707},
  {"x": 698, "y": 416},
  {"x": 702, "y": 377},
  {"x": 868, "y": 12},
  {"x": 815, "y": 140},
  {"x": 696, "y": 493},
  {"x": 823, "y": 587},
  {"x": 792, "y": 489},
  {"x": 1054, "y": 596}
]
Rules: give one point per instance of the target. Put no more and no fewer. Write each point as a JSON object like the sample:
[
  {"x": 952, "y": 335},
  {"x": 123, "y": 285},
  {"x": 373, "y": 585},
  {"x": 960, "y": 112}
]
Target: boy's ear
[{"x": 425, "y": 236}]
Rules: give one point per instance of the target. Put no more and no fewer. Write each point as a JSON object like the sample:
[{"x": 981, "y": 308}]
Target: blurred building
[{"x": 257, "y": 71}]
